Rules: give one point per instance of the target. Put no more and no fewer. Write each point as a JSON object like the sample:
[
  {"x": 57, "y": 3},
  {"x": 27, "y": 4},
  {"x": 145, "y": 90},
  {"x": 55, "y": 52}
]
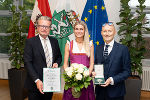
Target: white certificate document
[
  {"x": 99, "y": 78},
  {"x": 51, "y": 80}
]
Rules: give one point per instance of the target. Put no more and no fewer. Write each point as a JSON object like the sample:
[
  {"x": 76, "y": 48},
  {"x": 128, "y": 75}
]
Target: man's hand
[
  {"x": 108, "y": 81},
  {"x": 55, "y": 65},
  {"x": 39, "y": 85}
]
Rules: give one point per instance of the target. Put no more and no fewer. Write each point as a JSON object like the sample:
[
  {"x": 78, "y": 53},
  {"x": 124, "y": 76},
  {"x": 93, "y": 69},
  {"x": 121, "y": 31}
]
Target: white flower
[
  {"x": 80, "y": 70},
  {"x": 67, "y": 69},
  {"x": 69, "y": 73},
  {"x": 78, "y": 76},
  {"x": 75, "y": 66},
  {"x": 81, "y": 66},
  {"x": 86, "y": 73},
  {"x": 71, "y": 68}
]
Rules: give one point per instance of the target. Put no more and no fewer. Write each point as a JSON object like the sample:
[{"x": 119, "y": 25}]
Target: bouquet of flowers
[{"x": 76, "y": 77}]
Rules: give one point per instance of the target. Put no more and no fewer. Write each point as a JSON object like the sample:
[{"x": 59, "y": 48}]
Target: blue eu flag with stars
[{"x": 94, "y": 15}]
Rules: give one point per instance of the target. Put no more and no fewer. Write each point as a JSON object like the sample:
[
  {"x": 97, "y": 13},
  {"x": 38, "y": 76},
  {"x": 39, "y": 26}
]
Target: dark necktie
[{"x": 106, "y": 51}]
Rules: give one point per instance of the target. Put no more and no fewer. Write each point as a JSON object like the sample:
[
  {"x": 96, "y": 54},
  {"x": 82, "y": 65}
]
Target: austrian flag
[{"x": 40, "y": 7}]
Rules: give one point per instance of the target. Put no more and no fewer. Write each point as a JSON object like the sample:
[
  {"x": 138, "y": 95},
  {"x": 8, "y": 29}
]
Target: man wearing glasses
[
  {"x": 116, "y": 61},
  {"x": 40, "y": 52}
]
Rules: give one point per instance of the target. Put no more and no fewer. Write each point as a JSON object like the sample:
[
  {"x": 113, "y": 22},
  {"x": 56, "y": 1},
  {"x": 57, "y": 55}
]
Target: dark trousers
[
  {"x": 34, "y": 95},
  {"x": 101, "y": 94}
]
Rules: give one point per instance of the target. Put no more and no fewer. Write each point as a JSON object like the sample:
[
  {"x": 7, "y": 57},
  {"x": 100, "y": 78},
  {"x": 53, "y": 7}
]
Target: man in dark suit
[
  {"x": 40, "y": 52},
  {"x": 116, "y": 60}
]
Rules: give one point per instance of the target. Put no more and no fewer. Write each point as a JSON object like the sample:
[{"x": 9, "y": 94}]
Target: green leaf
[
  {"x": 128, "y": 37},
  {"x": 66, "y": 87},
  {"x": 142, "y": 17},
  {"x": 88, "y": 79},
  {"x": 85, "y": 84},
  {"x": 77, "y": 89},
  {"x": 81, "y": 86}
]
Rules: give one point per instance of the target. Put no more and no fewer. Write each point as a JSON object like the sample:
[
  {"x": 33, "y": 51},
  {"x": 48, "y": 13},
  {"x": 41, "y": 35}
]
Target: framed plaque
[
  {"x": 51, "y": 80},
  {"x": 99, "y": 78}
]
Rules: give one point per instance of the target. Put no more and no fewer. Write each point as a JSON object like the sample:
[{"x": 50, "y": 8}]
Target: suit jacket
[
  {"x": 117, "y": 66},
  {"x": 35, "y": 61}
]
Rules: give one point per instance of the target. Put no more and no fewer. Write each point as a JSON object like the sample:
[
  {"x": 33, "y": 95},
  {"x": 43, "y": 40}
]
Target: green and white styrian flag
[{"x": 61, "y": 26}]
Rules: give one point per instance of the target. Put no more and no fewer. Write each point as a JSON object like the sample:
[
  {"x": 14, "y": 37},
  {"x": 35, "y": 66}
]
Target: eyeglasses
[
  {"x": 108, "y": 23},
  {"x": 43, "y": 26}
]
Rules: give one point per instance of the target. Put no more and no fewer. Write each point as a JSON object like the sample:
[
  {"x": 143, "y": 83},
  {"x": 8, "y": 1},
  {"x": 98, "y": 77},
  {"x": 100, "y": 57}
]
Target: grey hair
[{"x": 40, "y": 17}]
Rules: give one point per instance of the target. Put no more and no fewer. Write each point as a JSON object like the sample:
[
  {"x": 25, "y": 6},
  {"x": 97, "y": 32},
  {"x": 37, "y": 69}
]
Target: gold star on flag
[
  {"x": 95, "y": 7},
  {"x": 86, "y": 19},
  {"x": 90, "y": 11},
  {"x": 103, "y": 8},
  {"x": 89, "y": 36},
  {"x": 97, "y": 42}
]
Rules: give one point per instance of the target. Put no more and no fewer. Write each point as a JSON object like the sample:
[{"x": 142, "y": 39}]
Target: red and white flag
[{"x": 40, "y": 7}]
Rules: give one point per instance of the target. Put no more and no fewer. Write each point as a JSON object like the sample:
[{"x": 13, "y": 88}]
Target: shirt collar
[
  {"x": 111, "y": 43},
  {"x": 41, "y": 38}
]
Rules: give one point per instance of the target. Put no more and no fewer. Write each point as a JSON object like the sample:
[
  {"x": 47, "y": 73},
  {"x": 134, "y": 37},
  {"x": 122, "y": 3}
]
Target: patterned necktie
[
  {"x": 106, "y": 51},
  {"x": 47, "y": 56}
]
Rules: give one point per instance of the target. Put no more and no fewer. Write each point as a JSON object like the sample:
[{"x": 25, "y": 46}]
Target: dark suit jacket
[
  {"x": 34, "y": 59},
  {"x": 117, "y": 66}
]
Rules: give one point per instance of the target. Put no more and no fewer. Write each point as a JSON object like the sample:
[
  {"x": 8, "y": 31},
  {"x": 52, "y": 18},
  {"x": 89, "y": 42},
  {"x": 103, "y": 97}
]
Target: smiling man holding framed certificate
[{"x": 41, "y": 51}]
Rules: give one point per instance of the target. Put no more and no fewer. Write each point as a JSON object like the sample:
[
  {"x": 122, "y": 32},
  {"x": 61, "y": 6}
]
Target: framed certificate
[
  {"x": 99, "y": 78},
  {"x": 51, "y": 80}
]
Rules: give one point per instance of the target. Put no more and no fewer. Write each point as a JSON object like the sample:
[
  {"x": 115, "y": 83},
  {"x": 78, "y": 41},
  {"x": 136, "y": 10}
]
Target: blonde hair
[{"x": 86, "y": 42}]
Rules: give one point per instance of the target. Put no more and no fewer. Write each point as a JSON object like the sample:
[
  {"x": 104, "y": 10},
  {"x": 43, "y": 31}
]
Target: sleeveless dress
[{"x": 87, "y": 93}]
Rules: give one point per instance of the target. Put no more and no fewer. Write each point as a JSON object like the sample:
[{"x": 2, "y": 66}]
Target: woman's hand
[{"x": 93, "y": 74}]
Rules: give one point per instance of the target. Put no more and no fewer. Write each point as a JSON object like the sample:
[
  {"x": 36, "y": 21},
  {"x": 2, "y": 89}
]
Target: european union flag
[{"x": 94, "y": 15}]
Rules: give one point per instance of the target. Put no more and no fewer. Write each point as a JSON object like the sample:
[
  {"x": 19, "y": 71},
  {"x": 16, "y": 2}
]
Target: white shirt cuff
[
  {"x": 112, "y": 81},
  {"x": 36, "y": 80}
]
